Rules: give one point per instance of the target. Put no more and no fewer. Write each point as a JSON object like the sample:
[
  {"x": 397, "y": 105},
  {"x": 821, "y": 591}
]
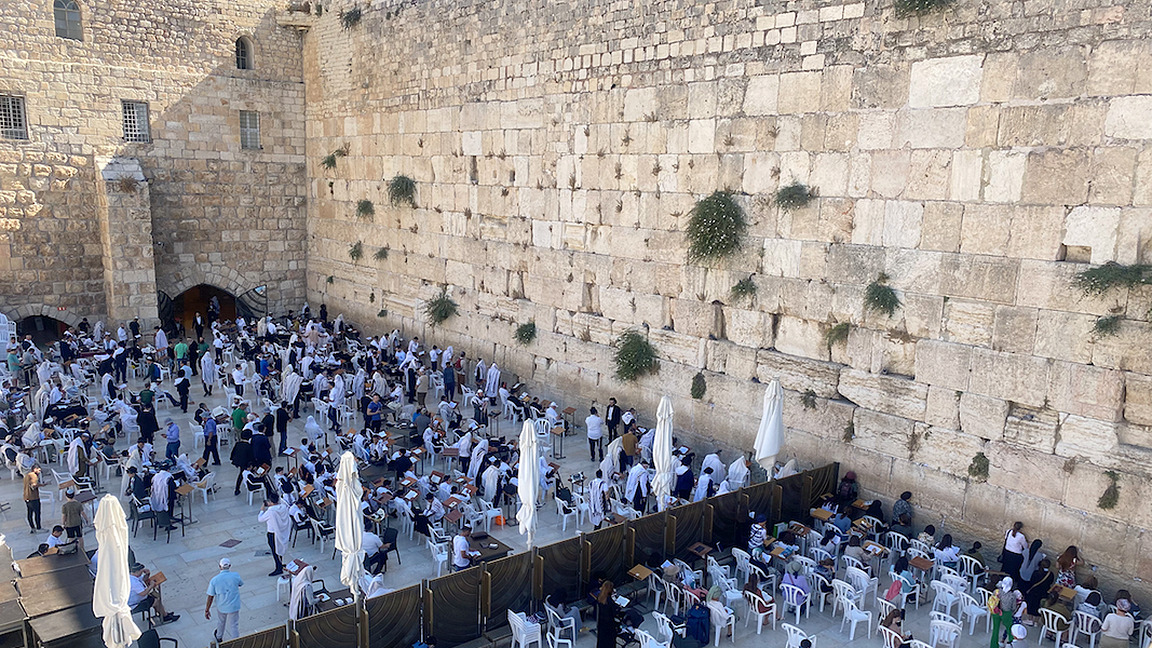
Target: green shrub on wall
[
  {"x": 699, "y": 386},
  {"x": 526, "y": 332},
  {"x": 635, "y": 356},
  {"x": 716, "y": 227},
  {"x": 440, "y": 308},
  {"x": 402, "y": 190}
]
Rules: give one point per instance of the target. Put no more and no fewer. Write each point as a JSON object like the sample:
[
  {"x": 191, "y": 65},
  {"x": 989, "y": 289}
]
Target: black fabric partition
[
  {"x": 792, "y": 504},
  {"x": 824, "y": 482},
  {"x": 607, "y": 554},
  {"x": 332, "y": 628},
  {"x": 392, "y": 618},
  {"x": 760, "y": 499},
  {"x": 649, "y": 533},
  {"x": 508, "y": 587},
  {"x": 453, "y": 611},
  {"x": 271, "y": 638},
  {"x": 730, "y": 522},
  {"x": 689, "y": 526},
  {"x": 560, "y": 565}
]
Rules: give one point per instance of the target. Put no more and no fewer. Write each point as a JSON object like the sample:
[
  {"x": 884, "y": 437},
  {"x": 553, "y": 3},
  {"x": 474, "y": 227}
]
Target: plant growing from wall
[
  {"x": 372, "y": 297},
  {"x": 127, "y": 184},
  {"x": 699, "y": 386},
  {"x": 383, "y": 312},
  {"x": 381, "y": 254},
  {"x": 365, "y": 208},
  {"x": 1111, "y": 496},
  {"x": 635, "y": 356},
  {"x": 329, "y": 161},
  {"x": 837, "y": 334},
  {"x": 330, "y": 280},
  {"x": 905, "y": 8},
  {"x": 744, "y": 289},
  {"x": 356, "y": 251},
  {"x": 526, "y": 332},
  {"x": 794, "y": 196},
  {"x": 849, "y": 432},
  {"x": 978, "y": 469},
  {"x": 716, "y": 227},
  {"x": 1101, "y": 279},
  {"x": 349, "y": 18},
  {"x": 402, "y": 190},
  {"x": 1106, "y": 326},
  {"x": 808, "y": 399},
  {"x": 880, "y": 297},
  {"x": 440, "y": 308}
]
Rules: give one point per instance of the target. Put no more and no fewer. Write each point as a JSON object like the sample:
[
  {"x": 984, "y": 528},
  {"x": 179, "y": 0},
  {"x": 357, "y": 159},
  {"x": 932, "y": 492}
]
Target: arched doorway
[
  {"x": 43, "y": 329},
  {"x": 196, "y": 300}
]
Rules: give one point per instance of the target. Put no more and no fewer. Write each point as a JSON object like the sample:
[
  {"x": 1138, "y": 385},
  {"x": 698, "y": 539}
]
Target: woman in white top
[
  {"x": 1015, "y": 544},
  {"x": 1117, "y": 627}
]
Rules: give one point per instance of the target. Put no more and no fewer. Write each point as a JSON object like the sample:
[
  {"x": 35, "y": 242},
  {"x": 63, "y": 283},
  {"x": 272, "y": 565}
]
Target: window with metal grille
[
  {"x": 243, "y": 54},
  {"x": 136, "y": 121},
  {"x": 66, "y": 14},
  {"x": 13, "y": 125},
  {"x": 249, "y": 129}
]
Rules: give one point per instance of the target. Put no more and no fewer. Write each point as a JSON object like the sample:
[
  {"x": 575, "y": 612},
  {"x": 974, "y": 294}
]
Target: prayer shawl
[
  {"x": 261, "y": 327},
  {"x": 478, "y": 453},
  {"x": 106, "y": 387},
  {"x": 597, "y": 489},
  {"x": 464, "y": 445},
  {"x": 490, "y": 480},
  {"x": 182, "y": 463},
  {"x": 159, "y": 495},
  {"x": 379, "y": 385},
  {"x": 76, "y": 455},
  {"x": 290, "y": 387},
  {"x": 481, "y": 372},
  {"x": 713, "y": 461},
  {"x": 637, "y": 481},
  {"x": 492, "y": 387},
  {"x": 302, "y": 594},
  {"x": 611, "y": 463},
  {"x": 280, "y": 522},
  {"x": 161, "y": 340},
  {"x": 312, "y": 429},
  {"x": 738, "y": 473},
  {"x": 207, "y": 369},
  {"x": 446, "y": 359},
  {"x": 702, "y": 486},
  {"x": 358, "y": 383}
]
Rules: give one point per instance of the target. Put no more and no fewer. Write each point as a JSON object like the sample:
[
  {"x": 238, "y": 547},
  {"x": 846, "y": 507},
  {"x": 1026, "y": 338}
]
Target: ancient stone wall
[
  {"x": 979, "y": 157},
  {"x": 218, "y": 213}
]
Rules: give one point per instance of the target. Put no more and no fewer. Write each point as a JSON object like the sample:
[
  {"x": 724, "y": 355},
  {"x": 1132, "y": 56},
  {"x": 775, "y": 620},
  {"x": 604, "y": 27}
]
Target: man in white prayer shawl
[
  {"x": 477, "y": 460},
  {"x": 703, "y": 485},
  {"x": 481, "y": 373},
  {"x": 446, "y": 357},
  {"x": 77, "y": 458},
  {"x": 358, "y": 383},
  {"x": 274, "y": 514},
  {"x": 159, "y": 496},
  {"x": 303, "y": 596},
  {"x": 597, "y": 494},
  {"x": 611, "y": 463},
  {"x": 107, "y": 387},
  {"x": 713, "y": 461},
  {"x": 637, "y": 489},
  {"x": 207, "y": 373},
  {"x": 490, "y": 480},
  {"x": 290, "y": 390},
  {"x": 492, "y": 386},
  {"x": 738, "y": 473}
]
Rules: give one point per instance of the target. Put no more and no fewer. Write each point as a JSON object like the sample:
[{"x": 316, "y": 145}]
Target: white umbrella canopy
[
  {"x": 662, "y": 454},
  {"x": 349, "y": 523},
  {"x": 528, "y": 476},
  {"x": 110, "y": 593},
  {"x": 770, "y": 436}
]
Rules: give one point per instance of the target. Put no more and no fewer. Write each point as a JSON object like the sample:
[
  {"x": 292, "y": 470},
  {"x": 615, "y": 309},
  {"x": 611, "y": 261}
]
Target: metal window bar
[
  {"x": 136, "y": 121},
  {"x": 13, "y": 124},
  {"x": 249, "y": 129}
]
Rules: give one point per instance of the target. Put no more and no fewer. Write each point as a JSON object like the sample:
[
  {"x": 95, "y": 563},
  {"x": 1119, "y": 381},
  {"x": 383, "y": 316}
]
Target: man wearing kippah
[{"x": 224, "y": 588}]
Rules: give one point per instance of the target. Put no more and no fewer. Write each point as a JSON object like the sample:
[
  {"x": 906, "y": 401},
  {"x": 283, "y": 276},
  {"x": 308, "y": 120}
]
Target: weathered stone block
[
  {"x": 801, "y": 337},
  {"x": 881, "y": 432},
  {"x": 888, "y": 394},
  {"x": 1129, "y": 118},
  {"x": 943, "y": 364},
  {"x": 952, "y": 81},
  {"x": 1088, "y": 437},
  {"x": 1014, "y": 329},
  {"x": 1032, "y": 427},
  {"x": 946, "y": 450},
  {"x": 1086, "y": 390},
  {"x": 797, "y": 373},
  {"x": 968, "y": 322},
  {"x": 1095, "y": 228},
  {"x": 942, "y": 408},
  {"x": 1137, "y": 398},
  {"x": 983, "y": 416},
  {"x": 760, "y": 98},
  {"x": 1015, "y": 377}
]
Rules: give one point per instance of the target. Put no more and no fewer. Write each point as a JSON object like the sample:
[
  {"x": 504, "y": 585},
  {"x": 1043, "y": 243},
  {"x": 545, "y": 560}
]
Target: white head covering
[{"x": 301, "y": 593}]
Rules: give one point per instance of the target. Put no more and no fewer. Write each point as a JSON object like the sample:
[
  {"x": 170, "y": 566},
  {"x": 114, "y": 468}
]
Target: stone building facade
[
  {"x": 96, "y": 219},
  {"x": 979, "y": 156}
]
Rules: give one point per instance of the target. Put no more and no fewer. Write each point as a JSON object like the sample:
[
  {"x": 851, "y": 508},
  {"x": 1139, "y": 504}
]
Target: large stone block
[
  {"x": 1056, "y": 176},
  {"x": 1009, "y": 463},
  {"x": 760, "y": 98},
  {"x": 1093, "y": 227},
  {"x": 1014, "y": 329},
  {"x": 884, "y": 433},
  {"x": 1088, "y": 437},
  {"x": 983, "y": 416},
  {"x": 1137, "y": 398},
  {"x": 942, "y": 408},
  {"x": 797, "y": 373},
  {"x": 801, "y": 337},
  {"x": 898, "y": 396},
  {"x": 1011, "y": 376},
  {"x": 946, "y": 450},
  {"x": 1064, "y": 336},
  {"x": 968, "y": 322},
  {"x": 1086, "y": 390},
  {"x": 1123, "y": 350},
  {"x": 943, "y": 364},
  {"x": 941, "y": 128},
  {"x": 1034, "y": 428},
  {"x": 1129, "y": 118},
  {"x": 951, "y": 81},
  {"x": 979, "y": 277},
  {"x": 986, "y": 229}
]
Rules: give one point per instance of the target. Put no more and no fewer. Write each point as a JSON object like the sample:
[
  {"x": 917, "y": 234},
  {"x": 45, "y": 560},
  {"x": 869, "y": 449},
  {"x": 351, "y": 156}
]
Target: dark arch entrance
[
  {"x": 196, "y": 300},
  {"x": 43, "y": 329}
]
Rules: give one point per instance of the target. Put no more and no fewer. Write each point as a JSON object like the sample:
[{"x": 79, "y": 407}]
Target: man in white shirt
[
  {"x": 238, "y": 379},
  {"x": 595, "y": 426},
  {"x": 274, "y": 514},
  {"x": 142, "y": 596},
  {"x": 461, "y": 555},
  {"x": 375, "y": 560}
]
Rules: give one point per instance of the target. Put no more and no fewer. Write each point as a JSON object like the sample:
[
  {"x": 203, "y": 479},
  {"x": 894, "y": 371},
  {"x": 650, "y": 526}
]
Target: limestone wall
[
  {"x": 218, "y": 214},
  {"x": 980, "y": 157}
]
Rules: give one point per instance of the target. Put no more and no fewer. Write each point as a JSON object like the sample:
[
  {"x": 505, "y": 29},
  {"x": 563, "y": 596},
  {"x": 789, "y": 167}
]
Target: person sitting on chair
[{"x": 143, "y": 596}]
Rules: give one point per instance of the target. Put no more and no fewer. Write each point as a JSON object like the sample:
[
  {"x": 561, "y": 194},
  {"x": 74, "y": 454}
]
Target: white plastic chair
[
  {"x": 971, "y": 608},
  {"x": 854, "y": 615},
  {"x": 943, "y": 632},
  {"x": 865, "y": 584},
  {"x": 883, "y": 607},
  {"x": 743, "y": 562},
  {"x": 794, "y": 598},
  {"x": 945, "y": 598},
  {"x": 819, "y": 583},
  {"x": 648, "y": 641},
  {"x": 892, "y": 639},
  {"x": 1088, "y": 625},
  {"x": 560, "y": 627},
  {"x": 524, "y": 634},
  {"x": 849, "y": 561},
  {"x": 197, "y": 434},
  {"x": 666, "y": 628},
  {"x": 970, "y": 569},
  {"x": 206, "y": 486},
  {"x": 566, "y": 511},
  {"x": 755, "y": 601},
  {"x": 729, "y": 623},
  {"x": 796, "y": 635},
  {"x": 818, "y": 554},
  {"x": 439, "y": 553},
  {"x": 842, "y": 591},
  {"x": 1051, "y": 618}
]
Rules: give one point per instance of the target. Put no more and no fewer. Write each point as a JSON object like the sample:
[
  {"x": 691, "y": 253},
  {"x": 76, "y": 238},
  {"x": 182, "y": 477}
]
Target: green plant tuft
[
  {"x": 880, "y": 297},
  {"x": 440, "y": 308},
  {"x": 1106, "y": 326},
  {"x": 716, "y": 227},
  {"x": 699, "y": 386},
  {"x": 330, "y": 279},
  {"x": 837, "y": 334},
  {"x": 526, "y": 332},
  {"x": 383, "y": 312},
  {"x": 381, "y": 254},
  {"x": 349, "y": 18},
  {"x": 808, "y": 399},
  {"x": 372, "y": 297},
  {"x": 365, "y": 208},
  {"x": 745, "y": 288},
  {"x": 635, "y": 356},
  {"x": 978, "y": 469},
  {"x": 905, "y": 8},
  {"x": 794, "y": 196},
  {"x": 356, "y": 251},
  {"x": 849, "y": 432},
  {"x": 1101, "y": 279},
  {"x": 329, "y": 161},
  {"x": 1111, "y": 496},
  {"x": 402, "y": 190}
]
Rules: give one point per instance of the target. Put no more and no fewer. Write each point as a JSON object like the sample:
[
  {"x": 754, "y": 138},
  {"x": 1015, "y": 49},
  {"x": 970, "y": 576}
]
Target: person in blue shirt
[{"x": 224, "y": 589}]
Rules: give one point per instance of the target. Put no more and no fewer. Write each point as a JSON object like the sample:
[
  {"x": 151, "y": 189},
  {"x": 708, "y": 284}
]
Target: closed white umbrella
[
  {"x": 110, "y": 593},
  {"x": 349, "y": 523},
  {"x": 662, "y": 454},
  {"x": 528, "y": 476},
  {"x": 770, "y": 436}
]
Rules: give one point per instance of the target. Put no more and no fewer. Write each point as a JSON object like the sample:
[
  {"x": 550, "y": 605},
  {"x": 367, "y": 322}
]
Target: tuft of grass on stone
[
  {"x": 1111, "y": 496},
  {"x": 1106, "y": 326},
  {"x": 716, "y": 227},
  {"x": 402, "y": 190},
  {"x": 356, "y": 251},
  {"x": 699, "y": 386},
  {"x": 978, "y": 469},
  {"x": 808, "y": 399},
  {"x": 365, "y": 208},
  {"x": 526, "y": 332},
  {"x": 837, "y": 334},
  {"x": 349, "y": 18},
  {"x": 329, "y": 161},
  {"x": 906, "y": 8},
  {"x": 635, "y": 356},
  {"x": 744, "y": 289},
  {"x": 381, "y": 254},
  {"x": 794, "y": 196},
  {"x": 440, "y": 308},
  {"x": 880, "y": 297}
]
